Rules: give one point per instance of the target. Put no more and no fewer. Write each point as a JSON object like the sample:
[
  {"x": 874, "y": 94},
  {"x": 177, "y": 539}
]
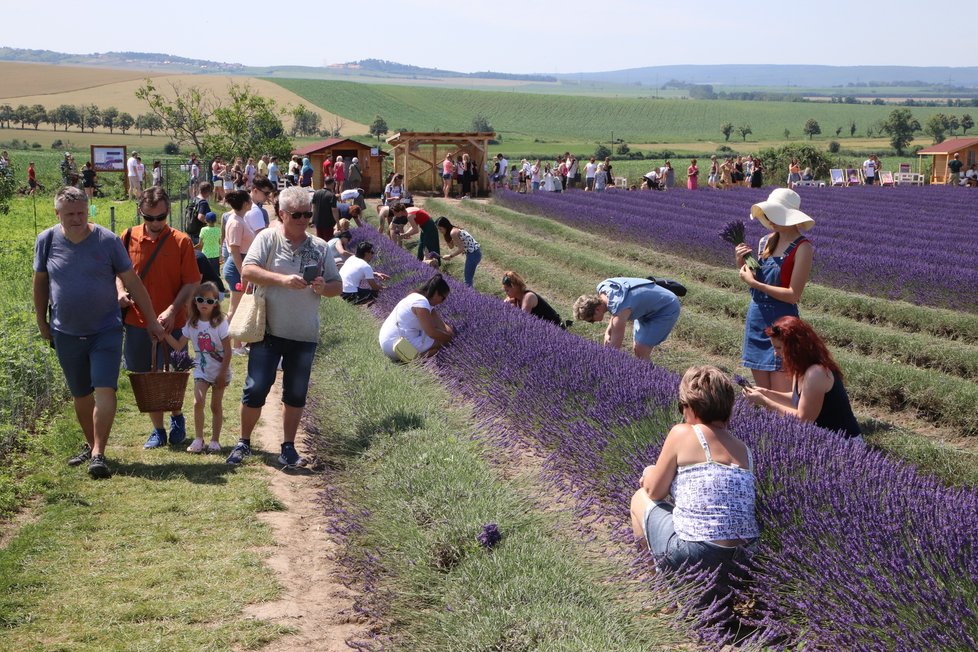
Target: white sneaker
[
  {"x": 197, "y": 446},
  {"x": 214, "y": 447},
  {"x": 241, "y": 350}
]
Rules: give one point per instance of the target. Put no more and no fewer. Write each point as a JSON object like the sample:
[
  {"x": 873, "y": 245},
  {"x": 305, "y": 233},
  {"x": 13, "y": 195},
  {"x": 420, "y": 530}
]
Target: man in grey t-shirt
[{"x": 75, "y": 268}]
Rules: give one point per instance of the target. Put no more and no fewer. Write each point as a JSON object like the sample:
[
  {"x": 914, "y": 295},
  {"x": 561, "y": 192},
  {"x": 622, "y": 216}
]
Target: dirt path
[{"x": 314, "y": 603}]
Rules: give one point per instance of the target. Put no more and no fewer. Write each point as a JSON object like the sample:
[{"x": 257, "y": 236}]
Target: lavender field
[
  {"x": 859, "y": 552},
  {"x": 909, "y": 243}
]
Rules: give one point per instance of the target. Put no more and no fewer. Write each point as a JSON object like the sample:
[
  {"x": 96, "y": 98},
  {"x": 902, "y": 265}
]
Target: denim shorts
[
  {"x": 296, "y": 358},
  {"x": 670, "y": 551},
  {"x": 89, "y": 361},
  {"x": 139, "y": 349},
  {"x": 231, "y": 275}
]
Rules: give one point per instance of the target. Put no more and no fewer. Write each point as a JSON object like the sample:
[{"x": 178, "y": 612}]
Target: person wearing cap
[
  {"x": 785, "y": 257},
  {"x": 654, "y": 309}
]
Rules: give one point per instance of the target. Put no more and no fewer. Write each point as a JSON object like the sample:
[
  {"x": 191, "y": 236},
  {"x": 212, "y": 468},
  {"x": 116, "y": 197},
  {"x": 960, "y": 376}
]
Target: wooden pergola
[{"x": 418, "y": 155}]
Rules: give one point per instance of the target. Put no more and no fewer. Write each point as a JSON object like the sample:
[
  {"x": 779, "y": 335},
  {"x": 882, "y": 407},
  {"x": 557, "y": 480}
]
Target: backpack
[
  {"x": 673, "y": 286},
  {"x": 191, "y": 224}
]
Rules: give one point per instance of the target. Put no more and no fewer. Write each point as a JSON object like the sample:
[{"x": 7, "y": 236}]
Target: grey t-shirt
[
  {"x": 292, "y": 314},
  {"x": 81, "y": 277}
]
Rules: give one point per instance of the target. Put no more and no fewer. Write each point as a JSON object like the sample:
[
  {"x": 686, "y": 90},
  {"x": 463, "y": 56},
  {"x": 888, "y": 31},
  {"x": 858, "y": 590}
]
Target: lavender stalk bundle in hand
[{"x": 734, "y": 234}]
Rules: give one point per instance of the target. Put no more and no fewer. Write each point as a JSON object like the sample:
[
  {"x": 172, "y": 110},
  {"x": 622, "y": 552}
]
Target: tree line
[{"x": 83, "y": 116}]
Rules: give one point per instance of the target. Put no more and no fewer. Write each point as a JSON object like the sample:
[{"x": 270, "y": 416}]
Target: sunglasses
[
  {"x": 209, "y": 301},
  {"x": 506, "y": 281},
  {"x": 153, "y": 218},
  {"x": 300, "y": 215}
]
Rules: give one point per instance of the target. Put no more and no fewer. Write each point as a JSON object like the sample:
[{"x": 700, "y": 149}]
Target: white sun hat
[{"x": 782, "y": 209}]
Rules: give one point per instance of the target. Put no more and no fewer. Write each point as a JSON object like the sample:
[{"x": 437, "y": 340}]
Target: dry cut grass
[{"x": 32, "y": 79}]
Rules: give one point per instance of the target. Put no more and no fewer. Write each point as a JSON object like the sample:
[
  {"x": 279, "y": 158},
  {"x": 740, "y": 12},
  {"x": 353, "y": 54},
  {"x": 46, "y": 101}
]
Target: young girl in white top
[{"x": 208, "y": 331}]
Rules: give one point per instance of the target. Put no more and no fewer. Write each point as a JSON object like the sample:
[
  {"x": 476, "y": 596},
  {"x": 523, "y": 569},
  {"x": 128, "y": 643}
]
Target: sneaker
[
  {"x": 83, "y": 455},
  {"x": 197, "y": 446},
  {"x": 241, "y": 350},
  {"x": 214, "y": 447},
  {"x": 240, "y": 451},
  {"x": 178, "y": 429},
  {"x": 156, "y": 439},
  {"x": 290, "y": 456},
  {"x": 98, "y": 469}
]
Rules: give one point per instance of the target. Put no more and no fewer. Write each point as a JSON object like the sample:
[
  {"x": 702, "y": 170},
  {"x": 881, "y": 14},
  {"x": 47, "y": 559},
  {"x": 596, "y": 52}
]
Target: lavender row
[
  {"x": 914, "y": 244},
  {"x": 859, "y": 551}
]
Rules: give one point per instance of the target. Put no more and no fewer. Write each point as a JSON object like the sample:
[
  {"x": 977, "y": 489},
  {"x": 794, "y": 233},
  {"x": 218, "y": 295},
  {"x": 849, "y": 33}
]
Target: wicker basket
[{"x": 159, "y": 390}]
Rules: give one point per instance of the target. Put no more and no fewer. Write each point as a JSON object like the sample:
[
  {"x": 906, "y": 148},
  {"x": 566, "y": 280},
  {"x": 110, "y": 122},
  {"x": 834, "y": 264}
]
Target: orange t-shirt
[{"x": 173, "y": 267}]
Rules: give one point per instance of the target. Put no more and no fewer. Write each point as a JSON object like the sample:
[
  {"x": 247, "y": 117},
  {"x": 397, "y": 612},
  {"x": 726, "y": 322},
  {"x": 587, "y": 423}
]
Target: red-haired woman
[{"x": 817, "y": 393}]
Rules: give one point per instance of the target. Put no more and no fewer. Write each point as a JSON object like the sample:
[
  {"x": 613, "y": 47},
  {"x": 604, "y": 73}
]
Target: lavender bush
[
  {"x": 859, "y": 552},
  {"x": 915, "y": 244}
]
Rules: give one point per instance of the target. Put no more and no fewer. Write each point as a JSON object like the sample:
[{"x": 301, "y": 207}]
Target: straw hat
[{"x": 782, "y": 209}]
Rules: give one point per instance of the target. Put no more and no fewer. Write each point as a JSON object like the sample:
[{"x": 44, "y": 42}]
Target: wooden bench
[{"x": 908, "y": 179}]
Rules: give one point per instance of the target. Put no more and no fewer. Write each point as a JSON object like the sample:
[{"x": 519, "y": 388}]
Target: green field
[{"x": 583, "y": 119}]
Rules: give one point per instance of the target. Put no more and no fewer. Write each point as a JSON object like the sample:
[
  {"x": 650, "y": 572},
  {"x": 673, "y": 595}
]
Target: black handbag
[{"x": 673, "y": 286}]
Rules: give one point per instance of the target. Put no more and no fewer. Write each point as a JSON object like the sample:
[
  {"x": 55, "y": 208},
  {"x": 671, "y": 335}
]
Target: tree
[
  {"x": 852, "y": 128},
  {"x": 481, "y": 123},
  {"x": 900, "y": 126},
  {"x": 602, "y": 152},
  {"x": 787, "y": 134},
  {"x": 249, "y": 126},
  {"x": 745, "y": 131},
  {"x": 67, "y": 115},
  {"x": 726, "y": 129},
  {"x": 91, "y": 117},
  {"x": 936, "y": 126},
  {"x": 110, "y": 116},
  {"x": 967, "y": 123},
  {"x": 378, "y": 127},
  {"x": 623, "y": 149},
  {"x": 838, "y": 130},
  {"x": 185, "y": 113},
  {"x": 812, "y": 128},
  {"x": 304, "y": 121},
  {"x": 6, "y": 115},
  {"x": 125, "y": 122},
  {"x": 38, "y": 114},
  {"x": 335, "y": 127},
  {"x": 22, "y": 114},
  {"x": 953, "y": 123}
]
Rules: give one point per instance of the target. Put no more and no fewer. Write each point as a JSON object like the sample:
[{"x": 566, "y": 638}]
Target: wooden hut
[
  {"x": 418, "y": 155},
  {"x": 942, "y": 153},
  {"x": 371, "y": 159}
]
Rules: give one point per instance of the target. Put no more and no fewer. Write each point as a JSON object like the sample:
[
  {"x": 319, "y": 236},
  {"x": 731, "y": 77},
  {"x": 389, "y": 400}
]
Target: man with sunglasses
[
  {"x": 76, "y": 266},
  {"x": 257, "y": 216},
  {"x": 164, "y": 259}
]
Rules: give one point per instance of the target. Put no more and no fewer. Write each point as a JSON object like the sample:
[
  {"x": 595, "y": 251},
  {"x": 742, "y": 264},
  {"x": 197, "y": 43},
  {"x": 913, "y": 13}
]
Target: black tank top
[
  {"x": 836, "y": 413},
  {"x": 544, "y": 311}
]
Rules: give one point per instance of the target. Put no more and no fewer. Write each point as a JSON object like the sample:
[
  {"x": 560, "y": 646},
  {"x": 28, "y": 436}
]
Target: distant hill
[
  {"x": 811, "y": 76},
  {"x": 140, "y": 60}
]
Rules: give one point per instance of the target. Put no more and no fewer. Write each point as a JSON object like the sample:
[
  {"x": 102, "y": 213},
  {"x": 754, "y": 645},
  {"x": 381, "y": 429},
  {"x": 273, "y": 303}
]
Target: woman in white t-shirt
[
  {"x": 415, "y": 319},
  {"x": 360, "y": 282}
]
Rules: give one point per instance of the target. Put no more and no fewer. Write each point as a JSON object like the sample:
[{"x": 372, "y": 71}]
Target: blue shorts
[
  {"x": 654, "y": 329},
  {"x": 670, "y": 551},
  {"x": 89, "y": 361},
  {"x": 231, "y": 275},
  {"x": 139, "y": 349},
  {"x": 296, "y": 358}
]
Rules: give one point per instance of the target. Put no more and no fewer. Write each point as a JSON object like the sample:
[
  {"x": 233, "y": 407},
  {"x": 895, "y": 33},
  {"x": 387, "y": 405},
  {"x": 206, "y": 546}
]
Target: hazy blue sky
[{"x": 500, "y": 35}]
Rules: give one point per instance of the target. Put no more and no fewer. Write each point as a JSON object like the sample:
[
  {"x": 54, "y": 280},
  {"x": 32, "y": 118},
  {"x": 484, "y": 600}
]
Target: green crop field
[{"x": 580, "y": 119}]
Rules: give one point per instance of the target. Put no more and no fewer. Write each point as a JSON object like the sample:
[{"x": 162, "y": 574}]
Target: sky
[{"x": 525, "y": 36}]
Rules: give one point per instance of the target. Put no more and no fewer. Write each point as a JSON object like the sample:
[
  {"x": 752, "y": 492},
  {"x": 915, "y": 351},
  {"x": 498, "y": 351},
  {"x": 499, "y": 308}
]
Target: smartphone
[{"x": 309, "y": 273}]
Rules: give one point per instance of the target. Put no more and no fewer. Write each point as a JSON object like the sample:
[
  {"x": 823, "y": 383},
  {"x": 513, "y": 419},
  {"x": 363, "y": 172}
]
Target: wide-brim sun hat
[{"x": 782, "y": 209}]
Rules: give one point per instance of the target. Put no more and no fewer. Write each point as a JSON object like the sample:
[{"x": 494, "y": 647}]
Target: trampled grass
[
  {"x": 419, "y": 489},
  {"x": 580, "y": 119}
]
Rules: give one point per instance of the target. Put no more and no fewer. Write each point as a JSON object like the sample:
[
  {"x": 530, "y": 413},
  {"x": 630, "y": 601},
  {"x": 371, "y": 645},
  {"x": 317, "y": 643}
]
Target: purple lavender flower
[
  {"x": 489, "y": 536},
  {"x": 740, "y": 380},
  {"x": 181, "y": 361},
  {"x": 734, "y": 234}
]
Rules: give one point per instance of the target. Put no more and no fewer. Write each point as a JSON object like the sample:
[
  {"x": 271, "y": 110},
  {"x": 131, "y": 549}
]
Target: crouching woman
[
  {"x": 414, "y": 318},
  {"x": 710, "y": 475}
]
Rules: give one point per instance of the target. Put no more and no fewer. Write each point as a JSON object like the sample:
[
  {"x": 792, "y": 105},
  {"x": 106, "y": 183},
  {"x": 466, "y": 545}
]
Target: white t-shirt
[
  {"x": 355, "y": 274},
  {"x": 589, "y": 170},
  {"x": 869, "y": 168},
  {"x": 140, "y": 170},
  {"x": 131, "y": 166},
  {"x": 503, "y": 166},
  {"x": 208, "y": 342},
  {"x": 402, "y": 322},
  {"x": 255, "y": 218}
]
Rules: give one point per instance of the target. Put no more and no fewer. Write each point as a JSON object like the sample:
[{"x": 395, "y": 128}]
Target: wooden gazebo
[
  {"x": 418, "y": 155},
  {"x": 942, "y": 153},
  {"x": 370, "y": 157}
]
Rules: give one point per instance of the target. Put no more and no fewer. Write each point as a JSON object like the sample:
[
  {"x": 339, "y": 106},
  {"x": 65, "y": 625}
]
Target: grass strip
[
  {"x": 423, "y": 489},
  {"x": 159, "y": 557}
]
